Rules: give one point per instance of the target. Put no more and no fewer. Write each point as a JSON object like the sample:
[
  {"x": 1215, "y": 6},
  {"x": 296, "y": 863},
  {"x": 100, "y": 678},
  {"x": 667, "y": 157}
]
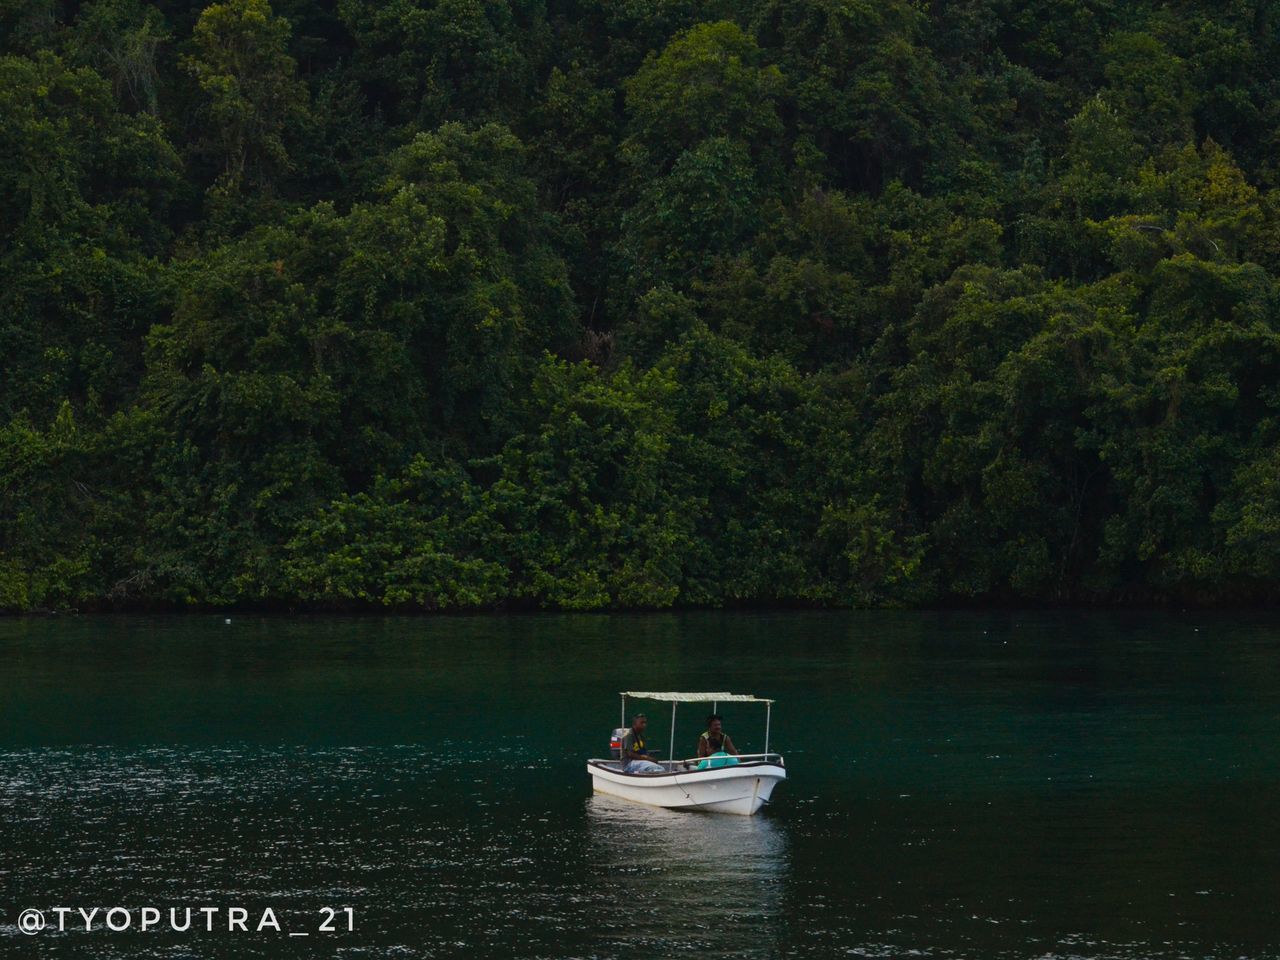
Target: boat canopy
[
  {"x": 722, "y": 697},
  {"x": 715, "y": 698}
]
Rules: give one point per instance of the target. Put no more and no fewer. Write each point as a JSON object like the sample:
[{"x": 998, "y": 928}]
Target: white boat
[{"x": 719, "y": 786}]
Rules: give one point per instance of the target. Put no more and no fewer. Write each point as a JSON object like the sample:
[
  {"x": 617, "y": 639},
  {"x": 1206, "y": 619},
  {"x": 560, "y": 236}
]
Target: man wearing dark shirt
[{"x": 635, "y": 757}]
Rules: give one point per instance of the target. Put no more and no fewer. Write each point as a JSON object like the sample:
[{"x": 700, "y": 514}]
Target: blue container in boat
[{"x": 720, "y": 759}]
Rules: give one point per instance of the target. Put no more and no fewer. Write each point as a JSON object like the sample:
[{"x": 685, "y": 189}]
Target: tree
[
  {"x": 1149, "y": 85},
  {"x": 589, "y": 493},
  {"x": 308, "y": 358},
  {"x": 251, "y": 94},
  {"x": 709, "y": 82},
  {"x": 423, "y": 539},
  {"x": 424, "y": 62},
  {"x": 84, "y": 194},
  {"x": 705, "y": 208},
  {"x": 121, "y": 40},
  {"x": 865, "y": 90}
]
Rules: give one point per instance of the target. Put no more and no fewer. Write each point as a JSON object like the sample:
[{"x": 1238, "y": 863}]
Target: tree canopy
[{"x": 438, "y": 304}]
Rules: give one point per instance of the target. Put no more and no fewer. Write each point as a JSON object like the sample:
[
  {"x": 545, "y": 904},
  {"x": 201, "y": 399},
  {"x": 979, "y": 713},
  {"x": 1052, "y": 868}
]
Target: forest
[{"x": 591, "y": 304}]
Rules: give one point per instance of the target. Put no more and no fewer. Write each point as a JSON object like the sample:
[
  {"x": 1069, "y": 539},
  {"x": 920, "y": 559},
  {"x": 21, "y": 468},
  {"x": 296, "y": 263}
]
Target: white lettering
[{"x": 118, "y": 919}]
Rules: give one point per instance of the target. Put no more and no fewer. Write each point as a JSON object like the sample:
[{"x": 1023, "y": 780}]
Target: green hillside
[{"x": 445, "y": 304}]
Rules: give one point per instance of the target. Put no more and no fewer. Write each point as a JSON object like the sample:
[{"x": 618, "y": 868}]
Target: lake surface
[{"x": 962, "y": 785}]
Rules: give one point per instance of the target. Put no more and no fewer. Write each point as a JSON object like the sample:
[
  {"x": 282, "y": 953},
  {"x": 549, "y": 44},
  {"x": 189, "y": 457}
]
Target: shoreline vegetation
[
  {"x": 578, "y": 305},
  {"x": 372, "y": 610}
]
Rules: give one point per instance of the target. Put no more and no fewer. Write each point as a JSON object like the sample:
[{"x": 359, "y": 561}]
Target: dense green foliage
[{"x": 444, "y": 304}]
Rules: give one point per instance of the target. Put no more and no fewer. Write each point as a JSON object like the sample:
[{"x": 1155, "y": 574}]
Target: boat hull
[{"x": 740, "y": 789}]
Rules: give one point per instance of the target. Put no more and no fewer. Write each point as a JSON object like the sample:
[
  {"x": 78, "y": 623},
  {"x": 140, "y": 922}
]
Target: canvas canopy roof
[{"x": 722, "y": 697}]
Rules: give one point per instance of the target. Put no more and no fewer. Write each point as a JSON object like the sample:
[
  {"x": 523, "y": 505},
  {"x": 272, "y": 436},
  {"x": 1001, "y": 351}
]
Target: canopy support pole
[
  {"x": 768, "y": 715},
  {"x": 623, "y": 722},
  {"x": 671, "y": 753}
]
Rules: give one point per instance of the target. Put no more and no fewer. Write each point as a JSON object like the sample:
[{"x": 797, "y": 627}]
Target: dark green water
[{"x": 1056, "y": 785}]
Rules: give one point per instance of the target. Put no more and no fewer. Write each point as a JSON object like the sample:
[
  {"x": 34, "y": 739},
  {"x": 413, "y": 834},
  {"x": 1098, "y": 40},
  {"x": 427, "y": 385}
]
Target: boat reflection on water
[{"x": 688, "y": 882}]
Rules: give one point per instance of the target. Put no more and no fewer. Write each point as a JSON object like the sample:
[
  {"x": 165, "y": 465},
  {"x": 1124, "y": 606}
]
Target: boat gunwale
[{"x": 727, "y": 768}]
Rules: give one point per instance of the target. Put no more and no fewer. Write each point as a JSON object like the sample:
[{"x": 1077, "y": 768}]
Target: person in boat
[
  {"x": 714, "y": 740},
  {"x": 635, "y": 755}
]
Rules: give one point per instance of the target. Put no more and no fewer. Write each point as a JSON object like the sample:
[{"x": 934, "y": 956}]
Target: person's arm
[{"x": 729, "y": 747}]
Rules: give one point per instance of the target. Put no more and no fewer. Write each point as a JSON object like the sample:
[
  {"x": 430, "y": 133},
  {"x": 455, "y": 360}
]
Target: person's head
[
  {"x": 639, "y": 722},
  {"x": 715, "y": 724}
]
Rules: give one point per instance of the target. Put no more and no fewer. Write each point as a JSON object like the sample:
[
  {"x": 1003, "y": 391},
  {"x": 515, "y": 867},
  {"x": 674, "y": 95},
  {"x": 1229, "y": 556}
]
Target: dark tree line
[{"x": 590, "y": 303}]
